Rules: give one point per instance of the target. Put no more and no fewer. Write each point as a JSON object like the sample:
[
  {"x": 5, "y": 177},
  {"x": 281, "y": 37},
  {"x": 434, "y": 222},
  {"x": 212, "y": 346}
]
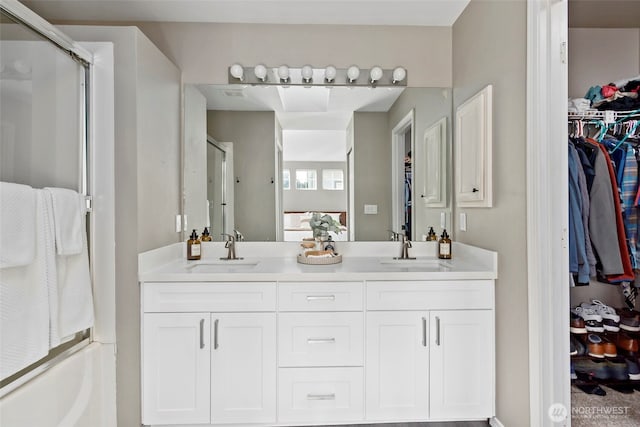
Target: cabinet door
[
  {"x": 243, "y": 360},
  {"x": 434, "y": 161},
  {"x": 473, "y": 152},
  {"x": 175, "y": 368},
  {"x": 462, "y": 364},
  {"x": 397, "y": 363}
]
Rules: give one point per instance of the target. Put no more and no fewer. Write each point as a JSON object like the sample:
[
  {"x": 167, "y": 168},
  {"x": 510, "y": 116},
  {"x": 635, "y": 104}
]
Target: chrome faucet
[
  {"x": 395, "y": 236},
  {"x": 404, "y": 252},
  {"x": 231, "y": 245},
  {"x": 238, "y": 235}
]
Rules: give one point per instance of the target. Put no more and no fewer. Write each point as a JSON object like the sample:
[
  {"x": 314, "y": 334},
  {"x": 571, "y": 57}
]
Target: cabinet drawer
[
  {"x": 313, "y": 395},
  {"x": 320, "y": 339},
  {"x": 428, "y": 295},
  {"x": 221, "y": 297},
  {"x": 334, "y": 296}
]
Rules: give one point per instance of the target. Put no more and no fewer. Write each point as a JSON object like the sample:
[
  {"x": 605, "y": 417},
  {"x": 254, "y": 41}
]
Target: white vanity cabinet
[
  {"x": 309, "y": 347},
  {"x": 430, "y": 350},
  {"x": 320, "y": 352},
  {"x": 208, "y": 353},
  {"x": 176, "y": 368}
]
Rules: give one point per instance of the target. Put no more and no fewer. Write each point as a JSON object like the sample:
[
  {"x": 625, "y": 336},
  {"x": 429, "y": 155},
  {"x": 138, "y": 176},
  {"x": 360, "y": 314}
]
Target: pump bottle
[
  {"x": 444, "y": 246},
  {"x": 193, "y": 247}
]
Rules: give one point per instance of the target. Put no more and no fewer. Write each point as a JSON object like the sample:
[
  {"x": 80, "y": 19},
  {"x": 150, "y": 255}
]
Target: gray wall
[
  {"x": 318, "y": 200},
  {"x": 372, "y": 169},
  {"x": 424, "y": 51},
  {"x": 617, "y": 56},
  {"x": 253, "y": 136},
  {"x": 147, "y": 160},
  {"x": 430, "y": 105},
  {"x": 489, "y": 47}
]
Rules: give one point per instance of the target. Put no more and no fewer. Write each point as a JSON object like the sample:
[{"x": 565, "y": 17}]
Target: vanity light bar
[{"x": 307, "y": 76}]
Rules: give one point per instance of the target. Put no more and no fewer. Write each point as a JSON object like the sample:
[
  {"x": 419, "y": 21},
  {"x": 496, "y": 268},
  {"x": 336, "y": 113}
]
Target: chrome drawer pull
[
  {"x": 437, "y": 330},
  {"x": 424, "y": 331},
  {"x": 321, "y": 297},
  {"x": 201, "y": 333},
  {"x": 321, "y": 341},
  {"x": 215, "y": 334},
  {"x": 331, "y": 396}
]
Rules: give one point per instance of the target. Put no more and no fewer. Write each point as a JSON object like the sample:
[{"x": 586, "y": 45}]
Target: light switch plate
[
  {"x": 370, "y": 209},
  {"x": 463, "y": 221},
  {"x": 443, "y": 220},
  {"x": 178, "y": 223}
]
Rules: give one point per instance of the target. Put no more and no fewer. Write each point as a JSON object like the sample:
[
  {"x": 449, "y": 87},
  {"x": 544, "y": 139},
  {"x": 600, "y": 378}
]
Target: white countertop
[{"x": 276, "y": 261}]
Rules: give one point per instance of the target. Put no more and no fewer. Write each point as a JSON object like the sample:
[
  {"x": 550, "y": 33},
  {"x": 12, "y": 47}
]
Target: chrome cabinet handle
[
  {"x": 331, "y": 396},
  {"x": 321, "y": 340},
  {"x": 437, "y": 330},
  {"x": 321, "y": 297},
  {"x": 201, "y": 333},
  {"x": 215, "y": 334},
  {"x": 424, "y": 331}
]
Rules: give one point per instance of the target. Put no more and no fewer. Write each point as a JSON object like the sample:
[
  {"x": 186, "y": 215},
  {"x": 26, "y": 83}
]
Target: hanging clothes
[
  {"x": 620, "y": 239},
  {"x": 578, "y": 263}
]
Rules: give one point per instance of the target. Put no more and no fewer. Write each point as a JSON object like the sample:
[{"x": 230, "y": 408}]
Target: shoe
[
  {"x": 572, "y": 348},
  {"x": 592, "y": 368},
  {"x": 629, "y": 319},
  {"x": 610, "y": 349},
  {"x": 633, "y": 368},
  {"x": 592, "y": 320},
  {"x": 621, "y": 388},
  {"x": 618, "y": 369},
  {"x": 578, "y": 346},
  {"x": 590, "y": 387},
  {"x": 610, "y": 319},
  {"x": 627, "y": 344},
  {"x": 576, "y": 324},
  {"x": 573, "y": 373}
]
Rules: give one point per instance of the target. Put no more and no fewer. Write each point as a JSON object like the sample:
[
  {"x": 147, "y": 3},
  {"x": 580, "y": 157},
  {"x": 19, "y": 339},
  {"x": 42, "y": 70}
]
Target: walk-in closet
[{"x": 604, "y": 203}]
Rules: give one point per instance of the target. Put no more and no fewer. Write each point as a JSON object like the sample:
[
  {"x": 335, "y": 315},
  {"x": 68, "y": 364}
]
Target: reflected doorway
[
  {"x": 220, "y": 186},
  {"x": 402, "y": 142}
]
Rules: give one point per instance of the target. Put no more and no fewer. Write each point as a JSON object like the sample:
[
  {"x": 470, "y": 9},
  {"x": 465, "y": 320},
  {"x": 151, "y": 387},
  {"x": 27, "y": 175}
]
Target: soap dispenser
[
  {"x": 206, "y": 237},
  {"x": 432, "y": 236},
  {"x": 444, "y": 246},
  {"x": 193, "y": 247}
]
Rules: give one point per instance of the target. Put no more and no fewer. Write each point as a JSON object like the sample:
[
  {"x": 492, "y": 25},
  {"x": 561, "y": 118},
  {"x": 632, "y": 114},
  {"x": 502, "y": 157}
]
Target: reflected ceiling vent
[{"x": 236, "y": 93}]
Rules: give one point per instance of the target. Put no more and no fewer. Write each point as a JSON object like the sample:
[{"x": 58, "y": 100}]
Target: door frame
[
  {"x": 397, "y": 165},
  {"x": 547, "y": 209}
]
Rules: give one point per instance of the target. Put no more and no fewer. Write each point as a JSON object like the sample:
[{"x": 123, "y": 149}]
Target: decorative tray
[{"x": 319, "y": 260}]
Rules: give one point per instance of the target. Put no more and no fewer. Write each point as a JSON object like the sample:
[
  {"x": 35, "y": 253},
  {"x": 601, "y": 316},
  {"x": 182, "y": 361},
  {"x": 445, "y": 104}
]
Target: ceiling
[{"x": 347, "y": 12}]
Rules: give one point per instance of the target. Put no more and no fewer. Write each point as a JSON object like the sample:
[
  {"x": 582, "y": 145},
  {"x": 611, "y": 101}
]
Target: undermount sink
[{"x": 222, "y": 265}]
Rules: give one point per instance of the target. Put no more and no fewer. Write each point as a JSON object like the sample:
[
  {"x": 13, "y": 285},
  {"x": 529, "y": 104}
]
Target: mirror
[{"x": 258, "y": 159}]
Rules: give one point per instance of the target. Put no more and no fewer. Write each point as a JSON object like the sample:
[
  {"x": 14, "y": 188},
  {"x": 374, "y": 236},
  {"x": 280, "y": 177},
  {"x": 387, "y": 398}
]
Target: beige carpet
[{"x": 614, "y": 409}]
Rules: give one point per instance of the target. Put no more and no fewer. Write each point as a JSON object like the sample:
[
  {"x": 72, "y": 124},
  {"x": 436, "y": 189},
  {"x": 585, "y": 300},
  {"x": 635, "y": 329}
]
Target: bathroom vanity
[{"x": 267, "y": 341}]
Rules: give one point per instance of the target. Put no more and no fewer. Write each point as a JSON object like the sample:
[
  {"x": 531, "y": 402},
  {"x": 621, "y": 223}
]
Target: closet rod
[{"x": 607, "y": 114}]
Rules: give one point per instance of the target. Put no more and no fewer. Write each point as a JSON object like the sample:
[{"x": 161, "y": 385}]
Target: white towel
[
  {"x": 24, "y": 301},
  {"x": 75, "y": 299},
  {"x": 68, "y": 213},
  {"x": 17, "y": 224}
]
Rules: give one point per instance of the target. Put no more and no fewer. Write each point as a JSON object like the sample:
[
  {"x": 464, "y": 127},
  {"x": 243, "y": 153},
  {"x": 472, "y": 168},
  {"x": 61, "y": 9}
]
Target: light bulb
[
  {"x": 261, "y": 72},
  {"x": 399, "y": 75},
  {"x": 353, "y": 73},
  {"x": 307, "y": 73},
  {"x": 375, "y": 74},
  {"x": 237, "y": 71},
  {"x": 330, "y": 73},
  {"x": 283, "y": 73}
]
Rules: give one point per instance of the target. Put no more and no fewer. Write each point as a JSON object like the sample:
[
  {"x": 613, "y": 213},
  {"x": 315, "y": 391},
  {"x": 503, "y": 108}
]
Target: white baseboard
[{"x": 494, "y": 422}]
